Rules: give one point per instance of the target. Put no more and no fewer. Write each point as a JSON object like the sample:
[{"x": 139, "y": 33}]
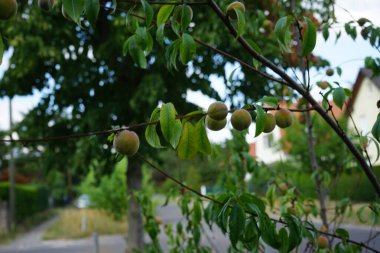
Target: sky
[{"x": 346, "y": 53}]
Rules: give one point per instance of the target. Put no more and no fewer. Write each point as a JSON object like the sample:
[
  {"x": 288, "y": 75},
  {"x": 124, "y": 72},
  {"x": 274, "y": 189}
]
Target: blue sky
[{"x": 350, "y": 53}]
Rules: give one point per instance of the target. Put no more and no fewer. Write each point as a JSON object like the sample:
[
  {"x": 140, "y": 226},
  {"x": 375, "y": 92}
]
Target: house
[{"x": 363, "y": 108}]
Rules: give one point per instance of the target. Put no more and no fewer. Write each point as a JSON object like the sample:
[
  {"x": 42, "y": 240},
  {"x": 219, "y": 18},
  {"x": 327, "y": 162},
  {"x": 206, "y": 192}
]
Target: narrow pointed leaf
[
  {"x": 164, "y": 14},
  {"x": 171, "y": 127},
  {"x": 203, "y": 143},
  {"x": 240, "y": 21},
  {"x": 92, "y": 11},
  {"x": 376, "y": 129},
  {"x": 236, "y": 223},
  {"x": 187, "y": 48},
  {"x": 151, "y": 132},
  {"x": 272, "y": 101},
  {"x": 309, "y": 38},
  {"x": 260, "y": 120},
  {"x": 339, "y": 97},
  {"x": 282, "y": 32},
  {"x": 187, "y": 147},
  {"x": 186, "y": 17},
  {"x": 148, "y": 12}
]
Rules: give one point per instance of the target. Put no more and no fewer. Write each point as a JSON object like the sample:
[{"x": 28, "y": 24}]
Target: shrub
[{"x": 30, "y": 199}]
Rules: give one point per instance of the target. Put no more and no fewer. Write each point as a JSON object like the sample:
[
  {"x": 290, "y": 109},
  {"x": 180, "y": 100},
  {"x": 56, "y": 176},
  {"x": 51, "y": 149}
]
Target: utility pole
[{"x": 12, "y": 173}]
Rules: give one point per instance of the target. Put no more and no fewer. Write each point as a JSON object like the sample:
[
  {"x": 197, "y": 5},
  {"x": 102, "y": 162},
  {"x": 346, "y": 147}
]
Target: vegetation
[
  {"x": 93, "y": 87},
  {"x": 69, "y": 224}
]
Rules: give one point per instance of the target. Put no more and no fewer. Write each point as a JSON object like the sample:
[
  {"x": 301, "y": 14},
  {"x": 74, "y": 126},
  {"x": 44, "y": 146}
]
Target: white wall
[
  {"x": 365, "y": 111},
  {"x": 269, "y": 154}
]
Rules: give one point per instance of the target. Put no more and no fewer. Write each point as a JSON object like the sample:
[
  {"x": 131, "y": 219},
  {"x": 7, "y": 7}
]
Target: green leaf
[
  {"x": 1, "y": 49},
  {"x": 148, "y": 12},
  {"x": 187, "y": 48},
  {"x": 172, "y": 54},
  {"x": 186, "y": 17},
  {"x": 197, "y": 213},
  {"x": 240, "y": 21},
  {"x": 376, "y": 129},
  {"x": 260, "y": 120},
  {"x": 339, "y": 96},
  {"x": 272, "y": 101},
  {"x": 160, "y": 34},
  {"x": 342, "y": 233},
  {"x": 164, "y": 14},
  {"x": 377, "y": 148},
  {"x": 284, "y": 239},
  {"x": 252, "y": 203},
  {"x": 74, "y": 8},
  {"x": 339, "y": 71},
  {"x": 282, "y": 32},
  {"x": 309, "y": 38},
  {"x": 230, "y": 78},
  {"x": 187, "y": 147},
  {"x": 236, "y": 223},
  {"x": 203, "y": 143},
  {"x": 270, "y": 195},
  {"x": 171, "y": 127},
  {"x": 151, "y": 135},
  {"x": 325, "y": 31},
  {"x": 295, "y": 231},
  {"x": 268, "y": 232},
  {"x": 137, "y": 53},
  {"x": 92, "y": 11}
]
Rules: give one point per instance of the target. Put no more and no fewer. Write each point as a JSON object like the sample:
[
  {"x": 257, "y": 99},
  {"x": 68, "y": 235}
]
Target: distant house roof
[{"x": 363, "y": 73}]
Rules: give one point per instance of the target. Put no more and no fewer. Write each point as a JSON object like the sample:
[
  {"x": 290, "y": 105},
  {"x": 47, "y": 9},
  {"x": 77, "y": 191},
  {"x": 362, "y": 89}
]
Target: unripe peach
[
  {"x": 241, "y": 119},
  {"x": 323, "y": 243},
  {"x": 126, "y": 142},
  {"x": 235, "y": 6},
  {"x": 8, "y": 9},
  {"x": 323, "y": 85},
  {"x": 329, "y": 72},
  {"x": 217, "y": 111},
  {"x": 283, "y": 187},
  {"x": 284, "y": 118},
  {"x": 215, "y": 125},
  {"x": 270, "y": 123}
]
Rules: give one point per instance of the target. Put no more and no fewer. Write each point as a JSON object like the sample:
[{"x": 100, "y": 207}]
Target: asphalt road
[{"x": 33, "y": 243}]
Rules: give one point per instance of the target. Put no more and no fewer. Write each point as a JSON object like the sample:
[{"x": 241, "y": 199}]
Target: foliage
[
  {"x": 81, "y": 64},
  {"x": 103, "y": 193},
  {"x": 31, "y": 199}
]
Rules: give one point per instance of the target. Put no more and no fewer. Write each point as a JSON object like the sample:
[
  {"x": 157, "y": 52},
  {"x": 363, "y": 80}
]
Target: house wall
[
  {"x": 365, "y": 111},
  {"x": 267, "y": 149}
]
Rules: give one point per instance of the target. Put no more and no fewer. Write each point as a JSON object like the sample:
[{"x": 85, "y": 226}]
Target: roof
[{"x": 363, "y": 73}]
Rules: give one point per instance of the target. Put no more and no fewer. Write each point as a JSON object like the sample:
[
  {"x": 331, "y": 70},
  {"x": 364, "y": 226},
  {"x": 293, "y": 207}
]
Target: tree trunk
[{"x": 135, "y": 237}]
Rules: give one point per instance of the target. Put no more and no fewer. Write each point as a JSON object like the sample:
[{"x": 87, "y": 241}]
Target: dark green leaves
[
  {"x": 150, "y": 133},
  {"x": 309, "y": 38},
  {"x": 74, "y": 8},
  {"x": 148, "y": 12},
  {"x": 201, "y": 137},
  {"x": 170, "y": 126},
  {"x": 236, "y": 223},
  {"x": 138, "y": 46},
  {"x": 282, "y": 31},
  {"x": 376, "y": 129},
  {"x": 92, "y": 11},
  {"x": 260, "y": 120},
  {"x": 187, "y": 48},
  {"x": 339, "y": 96},
  {"x": 186, "y": 16}
]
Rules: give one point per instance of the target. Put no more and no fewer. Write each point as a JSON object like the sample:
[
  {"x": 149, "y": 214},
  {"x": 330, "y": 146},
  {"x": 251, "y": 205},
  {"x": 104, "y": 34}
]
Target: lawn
[{"x": 69, "y": 224}]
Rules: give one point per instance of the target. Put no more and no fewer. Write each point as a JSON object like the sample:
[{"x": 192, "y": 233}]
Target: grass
[
  {"x": 27, "y": 224},
  {"x": 69, "y": 225}
]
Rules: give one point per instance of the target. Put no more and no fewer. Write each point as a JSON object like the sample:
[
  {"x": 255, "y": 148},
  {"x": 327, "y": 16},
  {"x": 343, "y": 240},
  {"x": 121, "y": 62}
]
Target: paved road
[{"x": 33, "y": 243}]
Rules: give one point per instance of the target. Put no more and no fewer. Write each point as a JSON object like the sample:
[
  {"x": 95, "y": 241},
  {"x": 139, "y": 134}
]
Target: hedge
[{"x": 30, "y": 199}]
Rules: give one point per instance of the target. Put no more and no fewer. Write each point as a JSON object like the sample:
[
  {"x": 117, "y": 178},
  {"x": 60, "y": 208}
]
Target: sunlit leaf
[{"x": 309, "y": 38}]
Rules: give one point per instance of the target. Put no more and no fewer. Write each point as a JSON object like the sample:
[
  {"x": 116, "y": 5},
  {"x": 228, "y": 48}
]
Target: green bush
[{"x": 30, "y": 199}]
